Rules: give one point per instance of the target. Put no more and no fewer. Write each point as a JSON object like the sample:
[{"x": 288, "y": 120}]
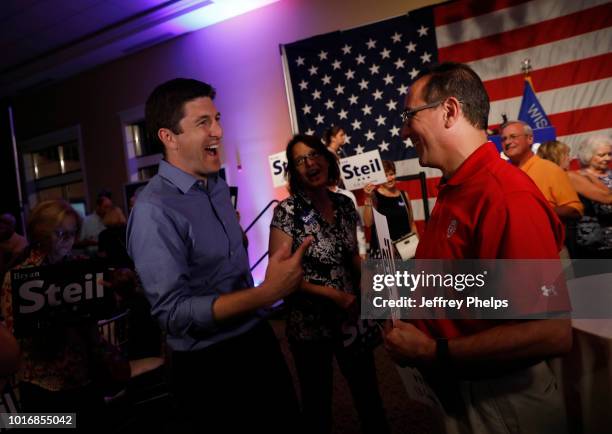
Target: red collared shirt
[{"x": 488, "y": 209}]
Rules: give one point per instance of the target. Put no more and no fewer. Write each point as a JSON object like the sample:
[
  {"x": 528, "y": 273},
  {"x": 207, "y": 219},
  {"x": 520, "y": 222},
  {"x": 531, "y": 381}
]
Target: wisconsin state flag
[{"x": 531, "y": 110}]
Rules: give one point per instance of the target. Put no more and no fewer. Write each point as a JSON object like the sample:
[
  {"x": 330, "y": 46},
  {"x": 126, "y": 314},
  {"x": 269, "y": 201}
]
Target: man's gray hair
[
  {"x": 526, "y": 128},
  {"x": 586, "y": 148}
]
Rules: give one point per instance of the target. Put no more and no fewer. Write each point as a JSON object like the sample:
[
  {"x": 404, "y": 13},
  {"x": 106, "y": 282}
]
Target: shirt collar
[
  {"x": 473, "y": 164},
  {"x": 183, "y": 180},
  {"x": 527, "y": 165}
]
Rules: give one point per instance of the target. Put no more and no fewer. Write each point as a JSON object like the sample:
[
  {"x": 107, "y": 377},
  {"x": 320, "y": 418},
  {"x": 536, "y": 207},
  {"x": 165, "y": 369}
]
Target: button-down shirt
[
  {"x": 186, "y": 243},
  {"x": 92, "y": 226}
]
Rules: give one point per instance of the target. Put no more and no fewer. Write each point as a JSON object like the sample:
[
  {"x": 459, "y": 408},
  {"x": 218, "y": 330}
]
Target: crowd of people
[
  {"x": 592, "y": 233},
  {"x": 580, "y": 198},
  {"x": 183, "y": 249}
]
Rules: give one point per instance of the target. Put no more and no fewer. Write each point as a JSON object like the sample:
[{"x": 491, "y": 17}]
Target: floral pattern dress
[{"x": 328, "y": 262}]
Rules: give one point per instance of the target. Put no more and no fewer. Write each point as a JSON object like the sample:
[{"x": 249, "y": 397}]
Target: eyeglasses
[
  {"x": 312, "y": 155},
  {"x": 512, "y": 137},
  {"x": 65, "y": 235},
  {"x": 408, "y": 114}
]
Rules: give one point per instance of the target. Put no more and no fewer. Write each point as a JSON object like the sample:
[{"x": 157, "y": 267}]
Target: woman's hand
[
  {"x": 368, "y": 218},
  {"x": 369, "y": 189}
]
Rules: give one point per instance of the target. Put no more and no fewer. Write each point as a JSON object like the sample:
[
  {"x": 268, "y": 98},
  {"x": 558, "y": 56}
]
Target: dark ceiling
[
  {"x": 32, "y": 28},
  {"x": 47, "y": 40}
]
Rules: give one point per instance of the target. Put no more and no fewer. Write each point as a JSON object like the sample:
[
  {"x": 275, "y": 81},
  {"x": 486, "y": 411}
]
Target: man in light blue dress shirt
[{"x": 186, "y": 243}]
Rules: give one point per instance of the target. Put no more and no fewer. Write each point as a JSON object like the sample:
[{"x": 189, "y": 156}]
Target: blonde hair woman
[{"x": 55, "y": 374}]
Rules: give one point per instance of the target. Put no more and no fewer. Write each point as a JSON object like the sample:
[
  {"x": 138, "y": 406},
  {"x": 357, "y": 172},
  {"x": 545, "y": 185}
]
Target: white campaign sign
[
  {"x": 386, "y": 249},
  {"x": 362, "y": 169},
  {"x": 418, "y": 389},
  {"x": 278, "y": 168}
]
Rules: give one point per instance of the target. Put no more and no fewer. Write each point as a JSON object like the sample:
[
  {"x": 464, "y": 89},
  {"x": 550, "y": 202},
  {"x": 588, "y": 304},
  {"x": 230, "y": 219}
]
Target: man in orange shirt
[{"x": 553, "y": 182}]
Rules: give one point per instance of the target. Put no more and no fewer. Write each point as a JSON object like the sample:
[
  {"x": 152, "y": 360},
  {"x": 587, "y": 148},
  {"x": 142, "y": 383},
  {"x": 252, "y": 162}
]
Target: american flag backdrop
[
  {"x": 569, "y": 44},
  {"x": 358, "y": 78}
]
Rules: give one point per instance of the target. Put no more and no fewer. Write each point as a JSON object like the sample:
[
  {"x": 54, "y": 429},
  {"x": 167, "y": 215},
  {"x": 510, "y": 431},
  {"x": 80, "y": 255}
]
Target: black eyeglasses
[
  {"x": 408, "y": 114},
  {"x": 65, "y": 235},
  {"x": 512, "y": 137},
  {"x": 312, "y": 155}
]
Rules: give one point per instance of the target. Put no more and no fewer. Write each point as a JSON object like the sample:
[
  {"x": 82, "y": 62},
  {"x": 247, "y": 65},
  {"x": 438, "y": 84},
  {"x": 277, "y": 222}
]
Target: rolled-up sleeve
[{"x": 159, "y": 245}]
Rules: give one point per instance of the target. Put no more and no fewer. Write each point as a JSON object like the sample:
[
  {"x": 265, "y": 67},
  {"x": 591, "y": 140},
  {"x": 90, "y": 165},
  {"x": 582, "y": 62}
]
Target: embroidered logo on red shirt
[{"x": 548, "y": 290}]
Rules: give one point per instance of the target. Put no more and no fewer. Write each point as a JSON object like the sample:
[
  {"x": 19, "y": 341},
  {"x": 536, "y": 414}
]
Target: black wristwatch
[{"x": 442, "y": 352}]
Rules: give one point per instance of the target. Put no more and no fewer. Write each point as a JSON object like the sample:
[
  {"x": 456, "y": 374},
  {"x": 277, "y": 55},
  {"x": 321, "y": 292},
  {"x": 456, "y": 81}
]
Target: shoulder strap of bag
[{"x": 408, "y": 208}]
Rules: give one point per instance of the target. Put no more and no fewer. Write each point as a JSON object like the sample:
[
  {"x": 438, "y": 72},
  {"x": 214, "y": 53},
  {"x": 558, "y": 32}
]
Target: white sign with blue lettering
[
  {"x": 278, "y": 168},
  {"x": 362, "y": 169}
]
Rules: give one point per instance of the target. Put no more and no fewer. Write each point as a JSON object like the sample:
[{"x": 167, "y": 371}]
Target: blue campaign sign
[{"x": 540, "y": 135}]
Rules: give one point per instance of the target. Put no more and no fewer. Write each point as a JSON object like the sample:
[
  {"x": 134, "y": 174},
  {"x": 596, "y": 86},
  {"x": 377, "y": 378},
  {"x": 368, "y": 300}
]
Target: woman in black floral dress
[{"x": 323, "y": 315}]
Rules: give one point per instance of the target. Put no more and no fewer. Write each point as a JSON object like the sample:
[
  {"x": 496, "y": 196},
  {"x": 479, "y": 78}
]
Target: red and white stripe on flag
[{"x": 569, "y": 44}]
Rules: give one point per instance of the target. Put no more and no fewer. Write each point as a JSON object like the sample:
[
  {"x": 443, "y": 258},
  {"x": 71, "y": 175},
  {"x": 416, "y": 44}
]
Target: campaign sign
[
  {"x": 278, "y": 168},
  {"x": 362, "y": 169},
  {"x": 387, "y": 252},
  {"x": 59, "y": 294}
]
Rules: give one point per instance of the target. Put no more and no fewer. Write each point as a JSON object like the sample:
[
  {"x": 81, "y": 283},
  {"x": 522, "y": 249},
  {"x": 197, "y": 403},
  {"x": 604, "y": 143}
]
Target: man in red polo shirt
[{"x": 491, "y": 375}]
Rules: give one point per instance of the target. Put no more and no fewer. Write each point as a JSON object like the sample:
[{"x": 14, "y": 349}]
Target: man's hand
[
  {"x": 283, "y": 276},
  {"x": 407, "y": 345},
  {"x": 284, "y": 272}
]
